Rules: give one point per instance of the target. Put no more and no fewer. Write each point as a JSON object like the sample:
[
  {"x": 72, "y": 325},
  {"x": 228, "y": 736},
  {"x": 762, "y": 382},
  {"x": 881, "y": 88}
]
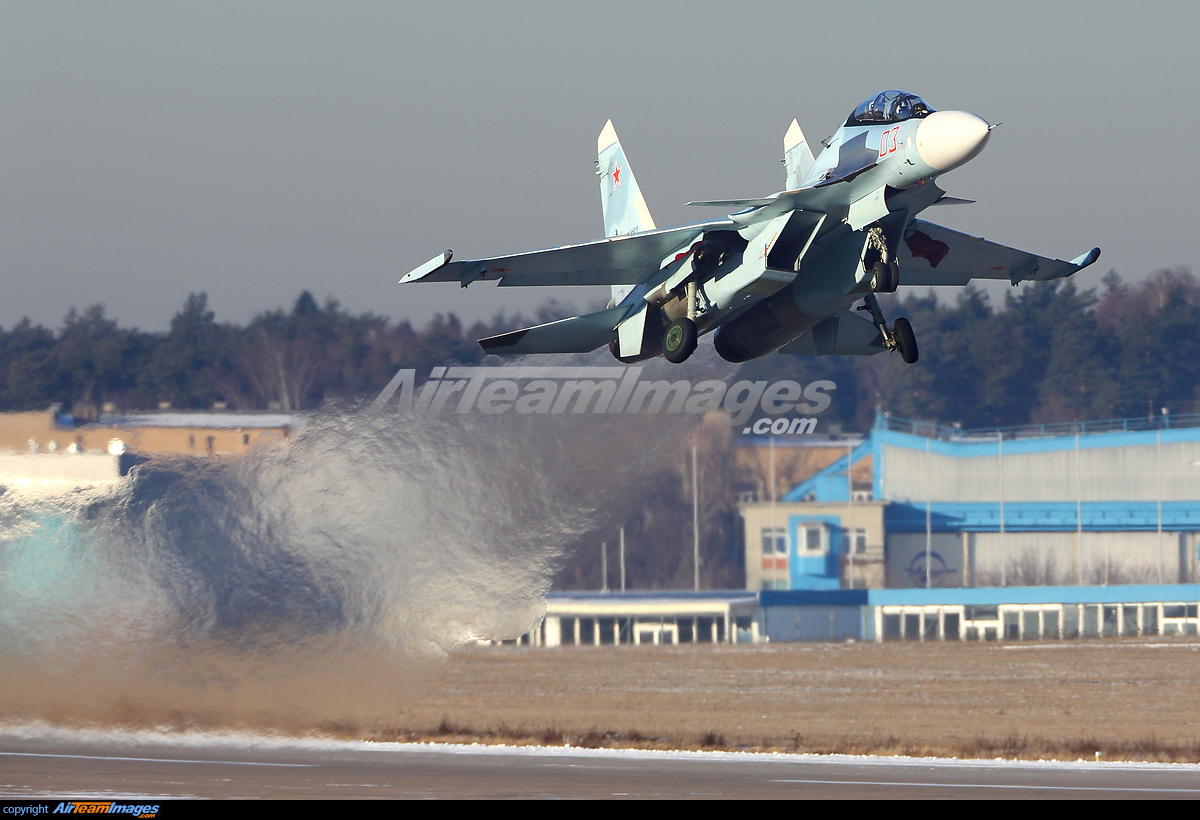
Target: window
[
  {"x": 891, "y": 628},
  {"x": 982, "y": 613},
  {"x": 774, "y": 541},
  {"x": 950, "y": 626},
  {"x": 745, "y": 493},
  {"x": 912, "y": 626},
  {"x": 814, "y": 538},
  {"x": 857, "y": 541}
]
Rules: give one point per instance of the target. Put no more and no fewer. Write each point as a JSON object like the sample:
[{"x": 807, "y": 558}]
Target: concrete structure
[
  {"x": 29, "y": 472},
  {"x": 988, "y": 614},
  {"x": 179, "y": 433},
  {"x": 804, "y": 615},
  {"x": 1102, "y": 503},
  {"x": 50, "y": 452},
  {"x": 985, "y": 614},
  {"x": 600, "y": 618},
  {"x": 1032, "y": 613}
]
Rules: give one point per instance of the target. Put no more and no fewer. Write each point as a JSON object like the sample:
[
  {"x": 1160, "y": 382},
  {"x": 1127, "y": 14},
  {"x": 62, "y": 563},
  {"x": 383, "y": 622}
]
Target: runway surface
[{"x": 56, "y": 764}]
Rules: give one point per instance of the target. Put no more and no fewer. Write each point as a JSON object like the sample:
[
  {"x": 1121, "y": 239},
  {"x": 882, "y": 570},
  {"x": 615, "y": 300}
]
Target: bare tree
[{"x": 281, "y": 371}]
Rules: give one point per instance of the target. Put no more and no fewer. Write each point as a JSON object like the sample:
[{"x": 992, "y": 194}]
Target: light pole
[
  {"x": 695, "y": 523},
  {"x": 622, "y": 556}
]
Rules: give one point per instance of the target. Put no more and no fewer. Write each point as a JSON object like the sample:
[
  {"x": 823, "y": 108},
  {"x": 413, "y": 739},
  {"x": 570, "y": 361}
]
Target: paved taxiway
[{"x": 36, "y": 766}]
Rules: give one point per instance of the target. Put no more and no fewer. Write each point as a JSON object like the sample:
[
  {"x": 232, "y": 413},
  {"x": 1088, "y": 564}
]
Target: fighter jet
[{"x": 797, "y": 271}]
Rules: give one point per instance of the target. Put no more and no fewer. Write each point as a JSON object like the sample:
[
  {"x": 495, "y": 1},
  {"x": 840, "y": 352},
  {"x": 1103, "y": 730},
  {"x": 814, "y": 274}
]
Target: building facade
[
  {"x": 920, "y": 506},
  {"x": 162, "y": 433}
]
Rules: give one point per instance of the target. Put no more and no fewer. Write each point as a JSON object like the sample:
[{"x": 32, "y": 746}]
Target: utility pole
[
  {"x": 604, "y": 566},
  {"x": 774, "y": 519},
  {"x": 622, "y": 543},
  {"x": 695, "y": 522},
  {"x": 1158, "y": 473},
  {"x": 1078, "y": 560},
  {"x": 928, "y": 519},
  {"x": 851, "y": 542},
  {"x": 1000, "y": 470}
]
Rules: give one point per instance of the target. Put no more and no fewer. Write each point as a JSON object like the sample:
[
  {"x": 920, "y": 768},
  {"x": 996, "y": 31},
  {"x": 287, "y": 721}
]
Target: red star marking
[{"x": 617, "y": 175}]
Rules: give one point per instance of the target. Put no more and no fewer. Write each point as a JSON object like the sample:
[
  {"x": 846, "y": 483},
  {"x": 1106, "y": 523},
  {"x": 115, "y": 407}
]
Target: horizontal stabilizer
[
  {"x": 734, "y": 203},
  {"x": 953, "y": 200},
  {"x": 844, "y": 335},
  {"x": 578, "y": 334}
]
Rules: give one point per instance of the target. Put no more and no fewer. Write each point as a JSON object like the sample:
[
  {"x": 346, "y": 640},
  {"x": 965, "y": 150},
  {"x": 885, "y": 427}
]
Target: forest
[{"x": 1050, "y": 353}]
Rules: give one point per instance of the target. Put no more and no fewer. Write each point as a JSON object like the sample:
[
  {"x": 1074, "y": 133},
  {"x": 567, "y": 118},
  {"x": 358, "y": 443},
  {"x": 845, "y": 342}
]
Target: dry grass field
[{"x": 1131, "y": 700}]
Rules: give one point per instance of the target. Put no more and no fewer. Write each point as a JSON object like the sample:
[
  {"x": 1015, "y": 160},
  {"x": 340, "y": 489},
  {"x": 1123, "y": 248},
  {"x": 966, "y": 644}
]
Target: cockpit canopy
[{"x": 889, "y": 106}]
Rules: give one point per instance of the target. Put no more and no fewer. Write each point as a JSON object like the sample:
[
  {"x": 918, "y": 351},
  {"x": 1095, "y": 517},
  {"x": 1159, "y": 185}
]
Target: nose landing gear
[
  {"x": 906, "y": 341},
  {"x": 899, "y": 337}
]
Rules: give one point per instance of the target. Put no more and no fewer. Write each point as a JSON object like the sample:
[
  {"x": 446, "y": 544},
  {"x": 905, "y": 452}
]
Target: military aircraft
[{"x": 781, "y": 272}]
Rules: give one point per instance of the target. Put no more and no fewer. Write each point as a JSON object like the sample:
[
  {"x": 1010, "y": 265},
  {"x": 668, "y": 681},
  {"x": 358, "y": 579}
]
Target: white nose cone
[{"x": 947, "y": 139}]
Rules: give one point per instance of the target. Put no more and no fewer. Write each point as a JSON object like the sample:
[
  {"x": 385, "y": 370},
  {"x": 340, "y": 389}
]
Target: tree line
[
  {"x": 286, "y": 360},
  {"x": 1050, "y": 353}
]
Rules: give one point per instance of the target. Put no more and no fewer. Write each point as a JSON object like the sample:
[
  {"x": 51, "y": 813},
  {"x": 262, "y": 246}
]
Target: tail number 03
[{"x": 887, "y": 142}]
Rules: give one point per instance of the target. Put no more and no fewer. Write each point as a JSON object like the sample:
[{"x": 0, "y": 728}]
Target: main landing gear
[
  {"x": 885, "y": 277},
  {"x": 680, "y": 340},
  {"x": 885, "y": 271},
  {"x": 899, "y": 337}
]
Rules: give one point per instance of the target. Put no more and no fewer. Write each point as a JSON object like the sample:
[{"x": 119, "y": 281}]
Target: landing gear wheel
[
  {"x": 885, "y": 277},
  {"x": 680, "y": 340},
  {"x": 906, "y": 341}
]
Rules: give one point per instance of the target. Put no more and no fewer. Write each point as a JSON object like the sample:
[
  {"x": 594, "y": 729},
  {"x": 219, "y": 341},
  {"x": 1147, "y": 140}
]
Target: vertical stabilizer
[
  {"x": 797, "y": 156},
  {"x": 625, "y": 210}
]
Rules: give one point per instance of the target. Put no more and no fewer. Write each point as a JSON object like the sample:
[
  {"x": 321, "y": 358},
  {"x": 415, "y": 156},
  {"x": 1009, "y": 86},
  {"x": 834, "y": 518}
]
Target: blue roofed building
[{"x": 917, "y": 505}]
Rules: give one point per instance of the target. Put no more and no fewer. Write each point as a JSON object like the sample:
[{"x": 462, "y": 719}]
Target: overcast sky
[{"x": 252, "y": 150}]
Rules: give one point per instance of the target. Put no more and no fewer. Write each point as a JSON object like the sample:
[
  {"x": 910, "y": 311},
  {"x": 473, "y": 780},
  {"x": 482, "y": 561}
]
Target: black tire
[
  {"x": 680, "y": 340},
  {"x": 906, "y": 340},
  {"x": 885, "y": 278}
]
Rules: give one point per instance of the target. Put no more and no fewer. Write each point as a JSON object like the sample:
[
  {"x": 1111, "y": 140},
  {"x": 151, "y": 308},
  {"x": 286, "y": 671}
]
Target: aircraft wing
[
  {"x": 620, "y": 260},
  {"x": 933, "y": 255}
]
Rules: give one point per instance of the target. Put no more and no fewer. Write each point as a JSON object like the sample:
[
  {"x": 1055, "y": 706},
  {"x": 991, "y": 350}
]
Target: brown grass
[{"x": 1127, "y": 700}]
